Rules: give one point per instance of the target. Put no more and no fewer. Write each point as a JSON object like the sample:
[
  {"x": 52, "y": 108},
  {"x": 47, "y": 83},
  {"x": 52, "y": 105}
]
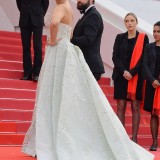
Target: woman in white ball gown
[{"x": 72, "y": 119}]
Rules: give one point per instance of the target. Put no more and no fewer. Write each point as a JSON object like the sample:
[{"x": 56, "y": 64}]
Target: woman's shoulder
[
  {"x": 60, "y": 6},
  {"x": 121, "y": 36},
  {"x": 150, "y": 45}
]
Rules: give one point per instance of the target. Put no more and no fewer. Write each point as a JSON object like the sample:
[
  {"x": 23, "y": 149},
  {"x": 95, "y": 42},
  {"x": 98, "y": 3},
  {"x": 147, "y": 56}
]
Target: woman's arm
[
  {"x": 147, "y": 70},
  {"x": 57, "y": 16},
  {"x": 116, "y": 60}
]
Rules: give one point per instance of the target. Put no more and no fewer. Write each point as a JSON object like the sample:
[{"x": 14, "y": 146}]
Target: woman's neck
[
  {"x": 132, "y": 34},
  {"x": 60, "y": 2},
  {"x": 158, "y": 43}
]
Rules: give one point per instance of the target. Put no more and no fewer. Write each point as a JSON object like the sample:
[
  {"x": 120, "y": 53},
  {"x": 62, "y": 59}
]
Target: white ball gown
[{"x": 72, "y": 119}]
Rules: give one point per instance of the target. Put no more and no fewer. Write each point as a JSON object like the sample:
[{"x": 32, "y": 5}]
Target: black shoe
[
  {"x": 35, "y": 78},
  {"x": 153, "y": 148},
  {"x": 26, "y": 77}
]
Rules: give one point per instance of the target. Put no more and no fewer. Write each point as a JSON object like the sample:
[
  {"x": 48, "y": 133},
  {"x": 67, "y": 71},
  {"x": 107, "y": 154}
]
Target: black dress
[
  {"x": 149, "y": 94},
  {"x": 120, "y": 83}
]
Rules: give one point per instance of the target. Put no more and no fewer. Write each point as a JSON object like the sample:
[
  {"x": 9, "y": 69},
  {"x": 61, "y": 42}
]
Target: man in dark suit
[
  {"x": 87, "y": 36},
  {"x": 31, "y": 21}
]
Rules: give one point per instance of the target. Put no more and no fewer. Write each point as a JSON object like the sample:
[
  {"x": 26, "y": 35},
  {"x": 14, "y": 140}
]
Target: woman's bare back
[
  {"x": 68, "y": 16},
  {"x": 63, "y": 14}
]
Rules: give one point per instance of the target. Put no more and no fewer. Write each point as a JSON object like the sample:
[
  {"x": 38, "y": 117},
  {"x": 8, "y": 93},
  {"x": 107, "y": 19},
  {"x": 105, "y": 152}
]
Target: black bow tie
[{"x": 82, "y": 11}]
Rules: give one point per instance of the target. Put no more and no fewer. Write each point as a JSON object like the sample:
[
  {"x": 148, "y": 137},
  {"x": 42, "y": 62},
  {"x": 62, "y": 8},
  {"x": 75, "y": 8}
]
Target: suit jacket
[
  {"x": 150, "y": 61},
  {"x": 32, "y": 11},
  {"x": 87, "y": 36},
  {"x": 120, "y": 51}
]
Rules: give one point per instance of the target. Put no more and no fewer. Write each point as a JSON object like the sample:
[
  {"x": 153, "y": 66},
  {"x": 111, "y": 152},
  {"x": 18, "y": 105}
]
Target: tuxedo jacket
[
  {"x": 120, "y": 51},
  {"x": 87, "y": 36},
  {"x": 150, "y": 61},
  {"x": 32, "y": 11}
]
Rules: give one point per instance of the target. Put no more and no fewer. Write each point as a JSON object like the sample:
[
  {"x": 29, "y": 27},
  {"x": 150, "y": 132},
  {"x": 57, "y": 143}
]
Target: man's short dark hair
[{"x": 157, "y": 24}]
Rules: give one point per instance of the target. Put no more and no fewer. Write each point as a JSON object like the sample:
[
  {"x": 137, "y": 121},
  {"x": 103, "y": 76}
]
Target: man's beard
[{"x": 82, "y": 7}]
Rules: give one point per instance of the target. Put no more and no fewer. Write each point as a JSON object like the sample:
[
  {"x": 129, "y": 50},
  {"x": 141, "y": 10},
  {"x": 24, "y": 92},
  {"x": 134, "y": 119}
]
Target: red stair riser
[
  {"x": 143, "y": 130},
  {"x": 16, "y": 127},
  {"x": 17, "y": 84},
  {"x": 11, "y": 65},
  {"x": 11, "y": 56},
  {"x": 11, "y": 74},
  {"x": 18, "y": 104},
  {"x": 10, "y": 41},
  {"x": 22, "y": 127},
  {"x": 104, "y": 81},
  {"x": 7, "y": 127},
  {"x": 17, "y": 94},
  {"x": 10, "y": 139},
  {"x": 10, "y": 49},
  {"x": 10, "y": 34},
  {"x": 15, "y": 115}
]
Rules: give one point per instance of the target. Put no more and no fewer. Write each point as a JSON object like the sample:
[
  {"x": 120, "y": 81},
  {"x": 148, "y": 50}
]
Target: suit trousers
[
  {"x": 97, "y": 76},
  {"x": 26, "y": 36}
]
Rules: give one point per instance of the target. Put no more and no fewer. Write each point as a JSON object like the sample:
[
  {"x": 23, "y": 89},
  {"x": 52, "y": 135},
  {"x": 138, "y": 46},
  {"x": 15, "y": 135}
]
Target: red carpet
[
  {"x": 14, "y": 153},
  {"x": 17, "y": 101}
]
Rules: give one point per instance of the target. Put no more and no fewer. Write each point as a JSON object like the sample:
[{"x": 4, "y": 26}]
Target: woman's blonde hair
[{"x": 131, "y": 14}]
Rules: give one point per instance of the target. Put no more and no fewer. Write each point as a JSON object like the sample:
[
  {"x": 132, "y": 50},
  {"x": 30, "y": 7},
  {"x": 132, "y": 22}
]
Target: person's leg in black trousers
[
  {"x": 26, "y": 33},
  {"x": 37, "y": 45},
  {"x": 97, "y": 76}
]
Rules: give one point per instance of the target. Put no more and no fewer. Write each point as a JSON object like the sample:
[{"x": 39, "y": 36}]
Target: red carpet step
[
  {"x": 17, "y": 84},
  {"x": 13, "y": 65},
  {"x": 10, "y": 57}
]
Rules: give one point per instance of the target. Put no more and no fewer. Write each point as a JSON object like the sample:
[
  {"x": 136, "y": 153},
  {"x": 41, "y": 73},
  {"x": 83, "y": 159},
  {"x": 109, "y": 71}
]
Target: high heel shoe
[{"x": 153, "y": 147}]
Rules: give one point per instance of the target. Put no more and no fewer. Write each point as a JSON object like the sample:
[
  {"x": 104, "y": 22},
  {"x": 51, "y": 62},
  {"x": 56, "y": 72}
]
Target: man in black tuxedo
[
  {"x": 87, "y": 36},
  {"x": 31, "y": 20}
]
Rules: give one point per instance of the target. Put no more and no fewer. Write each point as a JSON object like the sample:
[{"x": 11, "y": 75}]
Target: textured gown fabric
[{"x": 72, "y": 119}]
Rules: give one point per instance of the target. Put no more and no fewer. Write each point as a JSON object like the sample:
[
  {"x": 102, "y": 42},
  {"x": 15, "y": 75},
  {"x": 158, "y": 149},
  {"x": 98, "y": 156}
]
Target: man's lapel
[
  {"x": 82, "y": 19},
  {"x": 78, "y": 23}
]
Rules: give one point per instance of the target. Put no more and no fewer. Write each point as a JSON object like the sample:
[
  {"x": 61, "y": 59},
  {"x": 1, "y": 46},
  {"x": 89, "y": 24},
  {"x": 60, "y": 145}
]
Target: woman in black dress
[
  {"x": 127, "y": 69},
  {"x": 152, "y": 72}
]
